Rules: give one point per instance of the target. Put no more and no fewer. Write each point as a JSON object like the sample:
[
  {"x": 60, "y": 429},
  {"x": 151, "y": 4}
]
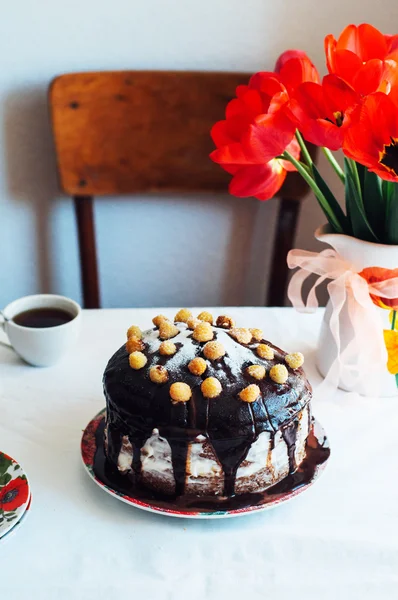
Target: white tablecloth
[{"x": 337, "y": 540}]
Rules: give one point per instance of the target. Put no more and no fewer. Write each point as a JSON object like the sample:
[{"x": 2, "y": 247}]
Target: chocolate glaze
[
  {"x": 136, "y": 405},
  {"x": 317, "y": 453}
]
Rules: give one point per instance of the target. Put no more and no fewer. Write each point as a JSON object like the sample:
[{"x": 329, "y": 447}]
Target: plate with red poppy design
[{"x": 14, "y": 493}]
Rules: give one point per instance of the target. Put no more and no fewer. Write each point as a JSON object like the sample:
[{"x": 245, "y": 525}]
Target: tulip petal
[
  {"x": 263, "y": 181},
  {"x": 372, "y": 43},
  {"x": 346, "y": 65},
  {"x": 296, "y": 71},
  {"x": 269, "y": 136},
  {"x": 330, "y": 49},
  {"x": 338, "y": 95},
  {"x": 369, "y": 76},
  {"x": 220, "y": 135},
  {"x": 286, "y": 56}
]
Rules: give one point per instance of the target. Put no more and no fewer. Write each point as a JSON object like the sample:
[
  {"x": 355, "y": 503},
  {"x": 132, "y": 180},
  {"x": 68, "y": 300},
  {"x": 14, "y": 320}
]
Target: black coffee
[{"x": 43, "y": 317}]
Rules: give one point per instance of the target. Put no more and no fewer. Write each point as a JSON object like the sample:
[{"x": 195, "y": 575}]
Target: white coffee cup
[{"x": 41, "y": 346}]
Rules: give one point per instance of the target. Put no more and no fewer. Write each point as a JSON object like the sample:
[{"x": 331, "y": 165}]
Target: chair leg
[
  {"x": 88, "y": 253},
  {"x": 289, "y": 211}
]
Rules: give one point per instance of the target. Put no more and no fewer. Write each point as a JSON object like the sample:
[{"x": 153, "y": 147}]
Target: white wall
[{"x": 153, "y": 251}]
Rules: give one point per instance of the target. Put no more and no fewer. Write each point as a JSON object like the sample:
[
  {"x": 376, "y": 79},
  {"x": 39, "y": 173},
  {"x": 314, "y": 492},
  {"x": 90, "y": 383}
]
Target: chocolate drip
[
  {"x": 317, "y": 453},
  {"x": 289, "y": 434}
]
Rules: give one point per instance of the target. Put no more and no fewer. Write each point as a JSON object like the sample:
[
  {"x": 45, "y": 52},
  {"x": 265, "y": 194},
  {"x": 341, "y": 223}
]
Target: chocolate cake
[{"x": 203, "y": 409}]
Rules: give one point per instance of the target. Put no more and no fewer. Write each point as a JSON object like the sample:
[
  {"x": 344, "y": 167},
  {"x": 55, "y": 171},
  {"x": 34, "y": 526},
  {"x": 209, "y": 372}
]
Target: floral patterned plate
[
  {"x": 14, "y": 493},
  {"x": 318, "y": 452}
]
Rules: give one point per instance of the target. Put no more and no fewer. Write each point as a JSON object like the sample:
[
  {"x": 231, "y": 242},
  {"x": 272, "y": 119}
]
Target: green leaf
[
  {"x": 5, "y": 463},
  {"x": 4, "y": 479},
  {"x": 390, "y": 194},
  {"x": 12, "y": 518},
  {"x": 373, "y": 202},
  {"x": 334, "y": 205},
  {"x": 361, "y": 227}
]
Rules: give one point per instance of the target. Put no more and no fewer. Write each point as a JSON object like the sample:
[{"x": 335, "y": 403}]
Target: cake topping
[
  {"x": 135, "y": 331},
  {"x": 197, "y": 366},
  {"x": 211, "y": 387},
  {"x": 206, "y": 316},
  {"x": 203, "y": 332},
  {"x": 279, "y": 373},
  {"x": 256, "y": 371},
  {"x": 213, "y": 350},
  {"x": 158, "y": 374},
  {"x": 192, "y": 322},
  {"x": 180, "y": 392},
  {"x": 295, "y": 360},
  {"x": 182, "y": 316},
  {"x": 225, "y": 322},
  {"x": 265, "y": 351},
  {"x": 241, "y": 335},
  {"x": 167, "y": 348},
  {"x": 167, "y": 330},
  {"x": 137, "y": 360},
  {"x": 158, "y": 320},
  {"x": 250, "y": 393},
  {"x": 133, "y": 344},
  {"x": 257, "y": 334}
]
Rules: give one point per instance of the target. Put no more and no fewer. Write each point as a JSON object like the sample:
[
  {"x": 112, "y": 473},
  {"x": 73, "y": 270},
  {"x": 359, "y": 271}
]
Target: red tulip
[
  {"x": 294, "y": 67},
  {"x": 373, "y": 139},
  {"x": 323, "y": 111},
  {"x": 257, "y": 128},
  {"x": 361, "y": 57},
  {"x": 265, "y": 180},
  {"x": 260, "y": 108}
]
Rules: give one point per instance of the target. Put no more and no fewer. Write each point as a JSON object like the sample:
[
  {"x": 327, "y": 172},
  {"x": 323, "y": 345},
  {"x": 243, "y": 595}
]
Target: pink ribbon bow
[{"x": 355, "y": 321}]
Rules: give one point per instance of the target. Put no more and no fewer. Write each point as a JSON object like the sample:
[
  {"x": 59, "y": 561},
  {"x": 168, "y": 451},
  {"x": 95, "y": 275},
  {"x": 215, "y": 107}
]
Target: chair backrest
[{"x": 127, "y": 132}]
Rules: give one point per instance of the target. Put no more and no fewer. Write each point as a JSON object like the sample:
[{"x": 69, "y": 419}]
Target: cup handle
[{"x": 3, "y": 328}]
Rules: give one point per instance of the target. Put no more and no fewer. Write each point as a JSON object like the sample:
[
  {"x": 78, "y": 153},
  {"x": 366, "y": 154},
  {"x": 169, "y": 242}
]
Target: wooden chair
[{"x": 133, "y": 132}]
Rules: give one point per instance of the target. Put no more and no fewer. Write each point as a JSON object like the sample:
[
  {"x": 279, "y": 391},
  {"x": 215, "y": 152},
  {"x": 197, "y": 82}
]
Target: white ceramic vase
[{"x": 361, "y": 254}]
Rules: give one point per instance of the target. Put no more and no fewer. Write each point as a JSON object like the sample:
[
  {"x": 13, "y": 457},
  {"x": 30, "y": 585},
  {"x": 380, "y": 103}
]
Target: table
[{"x": 337, "y": 540}]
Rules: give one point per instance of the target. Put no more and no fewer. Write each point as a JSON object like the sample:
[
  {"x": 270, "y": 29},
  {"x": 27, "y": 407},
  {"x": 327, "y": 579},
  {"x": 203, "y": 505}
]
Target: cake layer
[{"x": 267, "y": 461}]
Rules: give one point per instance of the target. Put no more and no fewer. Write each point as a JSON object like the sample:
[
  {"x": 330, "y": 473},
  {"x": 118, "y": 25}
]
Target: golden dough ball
[
  {"x": 256, "y": 371},
  {"x": 183, "y": 315},
  {"x": 133, "y": 344},
  {"x": 241, "y": 335},
  {"x": 250, "y": 393},
  {"x": 257, "y": 334},
  {"x": 265, "y": 351},
  {"x": 197, "y": 366},
  {"x": 134, "y": 331},
  {"x": 192, "y": 322},
  {"x": 180, "y": 392},
  {"x": 279, "y": 373},
  {"x": 295, "y": 360},
  {"x": 213, "y": 350},
  {"x": 167, "y": 330},
  {"x": 158, "y": 374},
  {"x": 225, "y": 322},
  {"x": 206, "y": 316},
  {"x": 211, "y": 387},
  {"x": 137, "y": 360},
  {"x": 167, "y": 348},
  {"x": 203, "y": 332},
  {"x": 158, "y": 320}
]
